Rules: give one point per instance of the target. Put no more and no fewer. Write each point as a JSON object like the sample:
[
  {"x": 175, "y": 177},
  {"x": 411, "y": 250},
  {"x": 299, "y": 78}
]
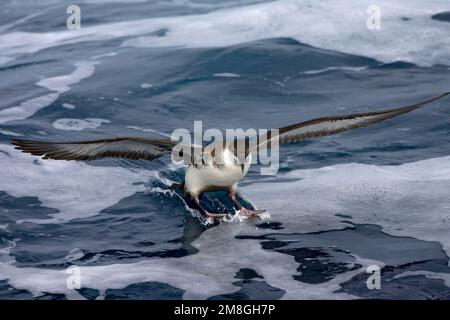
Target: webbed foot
[{"x": 244, "y": 212}]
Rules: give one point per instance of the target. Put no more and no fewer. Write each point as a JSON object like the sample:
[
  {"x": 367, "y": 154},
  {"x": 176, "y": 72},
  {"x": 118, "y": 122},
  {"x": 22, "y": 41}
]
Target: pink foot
[
  {"x": 250, "y": 213},
  {"x": 217, "y": 216}
]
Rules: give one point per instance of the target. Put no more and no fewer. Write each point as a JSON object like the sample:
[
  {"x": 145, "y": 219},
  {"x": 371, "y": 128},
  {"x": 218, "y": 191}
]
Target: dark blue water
[{"x": 381, "y": 199}]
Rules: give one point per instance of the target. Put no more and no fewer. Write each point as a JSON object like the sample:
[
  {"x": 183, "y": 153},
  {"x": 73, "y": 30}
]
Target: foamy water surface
[{"x": 372, "y": 196}]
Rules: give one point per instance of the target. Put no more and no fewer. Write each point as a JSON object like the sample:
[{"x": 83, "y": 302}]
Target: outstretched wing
[
  {"x": 331, "y": 125},
  {"x": 321, "y": 127},
  {"x": 124, "y": 147}
]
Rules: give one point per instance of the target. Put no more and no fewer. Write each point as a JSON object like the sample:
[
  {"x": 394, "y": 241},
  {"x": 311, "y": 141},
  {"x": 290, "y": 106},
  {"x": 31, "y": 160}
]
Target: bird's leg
[
  {"x": 177, "y": 186},
  {"x": 205, "y": 212},
  {"x": 242, "y": 210}
]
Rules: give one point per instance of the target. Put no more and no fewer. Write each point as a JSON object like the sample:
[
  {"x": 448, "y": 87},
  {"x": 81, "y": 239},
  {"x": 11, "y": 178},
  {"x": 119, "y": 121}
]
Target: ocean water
[{"x": 372, "y": 196}]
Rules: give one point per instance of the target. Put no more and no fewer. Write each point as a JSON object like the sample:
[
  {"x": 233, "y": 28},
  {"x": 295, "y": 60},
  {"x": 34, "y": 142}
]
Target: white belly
[{"x": 201, "y": 178}]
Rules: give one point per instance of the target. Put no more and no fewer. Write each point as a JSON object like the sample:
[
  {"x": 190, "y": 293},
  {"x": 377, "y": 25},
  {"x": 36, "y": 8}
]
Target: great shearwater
[{"x": 222, "y": 170}]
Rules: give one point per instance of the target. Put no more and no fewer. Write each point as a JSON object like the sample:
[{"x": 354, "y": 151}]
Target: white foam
[
  {"x": 134, "y": 127},
  {"x": 19, "y": 21},
  {"x": 226, "y": 75},
  {"x": 104, "y": 55},
  {"x": 76, "y": 189},
  {"x": 334, "y": 24},
  {"x": 79, "y": 190},
  {"x": 346, "y": 68},
  {"x": 58, "y": 85},
  {"x": 406, "y": 200},
  {"x": 74, "y": 254},
  {"x": 27, "y": 108},
  {"x": 84, "y": 69},
  {"x": 10, "y": 133},
  {"x": 150, "y": 130},
  {"x": 331, "y": 24},
  {"x": 209, "y": 272},
  {"x": 146, "y": 85},
  {"x": 78, "y": 124},
  {"x": 68, "y": 106}
]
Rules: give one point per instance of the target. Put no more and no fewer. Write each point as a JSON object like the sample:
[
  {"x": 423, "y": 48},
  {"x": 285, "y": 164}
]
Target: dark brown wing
[
  {"x": 124, "y": 147},
  {"x": 331, "y": 125}
]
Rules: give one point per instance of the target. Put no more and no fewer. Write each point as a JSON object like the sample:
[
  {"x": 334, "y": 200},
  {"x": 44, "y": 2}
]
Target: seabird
[{"x": 222, "y": 170}]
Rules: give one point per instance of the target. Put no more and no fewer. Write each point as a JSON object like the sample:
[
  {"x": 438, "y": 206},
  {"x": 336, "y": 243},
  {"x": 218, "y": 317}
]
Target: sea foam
[
  {"x": 406, "y": 200},
  {"x": 76, "y": 189},
  {"x": 209, "y": 272},
  {"x": 78, "y": 124},
  {"x": 57, "y": 85},
  {"x": 407, "y": 32}
]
